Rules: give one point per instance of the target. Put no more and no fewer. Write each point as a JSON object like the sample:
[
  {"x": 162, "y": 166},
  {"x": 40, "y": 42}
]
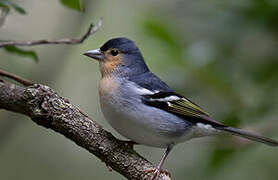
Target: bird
[{"x": 144, "y": 109}]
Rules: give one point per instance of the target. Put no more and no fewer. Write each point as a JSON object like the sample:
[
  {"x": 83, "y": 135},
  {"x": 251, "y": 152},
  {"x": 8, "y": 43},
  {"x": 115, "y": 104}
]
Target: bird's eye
[{"x": 114, "y": 52}]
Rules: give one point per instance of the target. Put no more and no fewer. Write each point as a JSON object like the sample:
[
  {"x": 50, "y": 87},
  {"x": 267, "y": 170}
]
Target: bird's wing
[
  {"x": 180, "y": 106},
  {"x": 150, "y": 81},
  {"x": 186, "y": 109}
]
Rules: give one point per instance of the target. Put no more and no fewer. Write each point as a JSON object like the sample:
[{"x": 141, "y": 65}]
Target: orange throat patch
[{"x": 108, "y": 67}]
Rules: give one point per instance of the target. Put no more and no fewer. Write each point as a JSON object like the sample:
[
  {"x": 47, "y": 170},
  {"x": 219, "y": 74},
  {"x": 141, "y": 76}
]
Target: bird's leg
[{"x": 158, "y": 170}]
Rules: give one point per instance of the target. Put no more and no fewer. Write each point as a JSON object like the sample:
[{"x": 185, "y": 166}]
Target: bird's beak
[{"x": 95, "y": 54}]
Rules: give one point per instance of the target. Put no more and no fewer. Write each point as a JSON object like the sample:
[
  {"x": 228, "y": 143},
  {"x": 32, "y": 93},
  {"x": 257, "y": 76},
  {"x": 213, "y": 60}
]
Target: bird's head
[{"x": 120, "y": 57}]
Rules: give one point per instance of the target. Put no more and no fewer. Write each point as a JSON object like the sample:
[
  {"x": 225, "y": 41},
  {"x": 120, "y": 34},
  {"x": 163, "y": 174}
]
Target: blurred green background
[{"x": 221, "y": 54}]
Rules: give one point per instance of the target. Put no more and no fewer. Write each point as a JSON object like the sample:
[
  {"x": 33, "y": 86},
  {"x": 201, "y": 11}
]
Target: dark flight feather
[{"x": 189, "y": 111}]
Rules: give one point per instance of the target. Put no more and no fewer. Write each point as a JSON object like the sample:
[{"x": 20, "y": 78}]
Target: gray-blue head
[{"x": 119, "y": 56}]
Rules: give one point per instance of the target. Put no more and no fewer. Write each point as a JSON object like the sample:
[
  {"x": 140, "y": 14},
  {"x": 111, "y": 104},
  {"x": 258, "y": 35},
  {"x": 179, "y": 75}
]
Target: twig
[
  {"x": 21, "y": 80},
  {"x": 46, "y": 108},
  {"x": 92, "y": 29}
]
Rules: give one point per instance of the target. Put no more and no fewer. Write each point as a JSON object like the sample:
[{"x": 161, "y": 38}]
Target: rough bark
[{"x": 46, "y": 108}]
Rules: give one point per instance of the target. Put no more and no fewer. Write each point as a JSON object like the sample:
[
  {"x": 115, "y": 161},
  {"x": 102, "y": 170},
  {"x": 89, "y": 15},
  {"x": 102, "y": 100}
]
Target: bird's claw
[
  {"x": 109, "y": 167},
  {"x": 156, "y": 172}
]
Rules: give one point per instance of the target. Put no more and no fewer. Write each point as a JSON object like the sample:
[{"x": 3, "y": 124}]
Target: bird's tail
[{"x": 250, "y": 136}]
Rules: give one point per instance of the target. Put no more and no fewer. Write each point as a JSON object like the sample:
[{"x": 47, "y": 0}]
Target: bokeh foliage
[{"x": 240, "y": 67}]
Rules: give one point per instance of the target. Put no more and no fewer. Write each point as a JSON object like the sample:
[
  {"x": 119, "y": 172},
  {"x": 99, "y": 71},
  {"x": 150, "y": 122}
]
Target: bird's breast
[
  {"x": 125, "y": 112},
  {"x": 107, "y": 87}
]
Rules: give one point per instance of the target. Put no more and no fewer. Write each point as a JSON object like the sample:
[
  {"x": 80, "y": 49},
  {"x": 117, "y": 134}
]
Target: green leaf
[
  {"x": 73, "y": 4},
  {"x": 6, "y": 4},
  {"x": 22, "y": 52},
  {"x": 17, "y": 8}
]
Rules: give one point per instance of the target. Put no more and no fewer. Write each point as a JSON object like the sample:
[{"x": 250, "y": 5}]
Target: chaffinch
[{"x": 146, "y": 110}]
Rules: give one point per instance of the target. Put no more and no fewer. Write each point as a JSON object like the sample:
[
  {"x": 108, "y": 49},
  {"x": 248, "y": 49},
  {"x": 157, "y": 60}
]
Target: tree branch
[
  {"x": 21, "y": 80},
  {"x": 46, "y": 108},
  {"x": 92, "y": 29}
]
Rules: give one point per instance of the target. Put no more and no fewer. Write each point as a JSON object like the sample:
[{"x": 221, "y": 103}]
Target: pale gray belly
[{"x": 144, "y": 124}]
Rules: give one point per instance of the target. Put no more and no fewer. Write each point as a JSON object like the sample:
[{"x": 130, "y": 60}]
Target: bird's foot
[
  {"x": 156, "y": 172},
  {"x": 109, "y": 167}
]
